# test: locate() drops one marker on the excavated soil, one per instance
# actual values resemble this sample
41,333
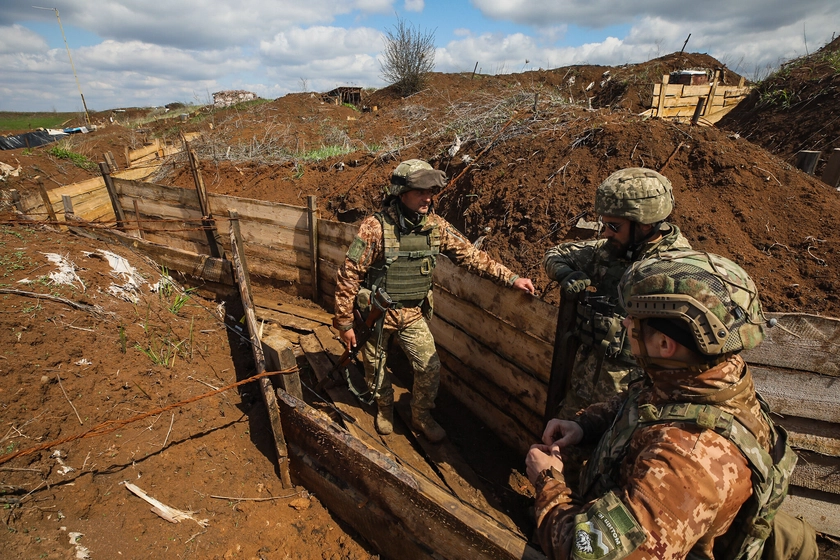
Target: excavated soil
525,153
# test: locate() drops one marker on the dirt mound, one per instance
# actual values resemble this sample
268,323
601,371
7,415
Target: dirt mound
796,108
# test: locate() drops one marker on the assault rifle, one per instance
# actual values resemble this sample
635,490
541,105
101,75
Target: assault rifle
364,328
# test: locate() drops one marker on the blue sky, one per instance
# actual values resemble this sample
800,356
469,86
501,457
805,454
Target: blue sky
138,53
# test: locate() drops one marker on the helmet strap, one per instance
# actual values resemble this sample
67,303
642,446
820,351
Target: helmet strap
636,244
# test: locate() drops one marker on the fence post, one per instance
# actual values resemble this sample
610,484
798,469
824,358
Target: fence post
312,217
112,194
207,221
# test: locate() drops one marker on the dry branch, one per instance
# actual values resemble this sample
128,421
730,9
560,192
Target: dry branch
169,513
92,309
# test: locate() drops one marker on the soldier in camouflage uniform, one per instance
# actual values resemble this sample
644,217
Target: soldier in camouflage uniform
689,463
633,205
395,250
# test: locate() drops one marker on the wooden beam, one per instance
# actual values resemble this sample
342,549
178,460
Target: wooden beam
241,269
312,222
279,356
207,221
661,104
806,160
112,194
47,204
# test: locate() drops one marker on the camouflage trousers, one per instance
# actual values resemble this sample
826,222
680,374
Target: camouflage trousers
585,389
419,346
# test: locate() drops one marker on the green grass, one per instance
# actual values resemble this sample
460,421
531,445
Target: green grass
62,151
20,122
325,152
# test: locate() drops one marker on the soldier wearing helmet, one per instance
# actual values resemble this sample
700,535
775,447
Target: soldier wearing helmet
632,205
688,462
395,250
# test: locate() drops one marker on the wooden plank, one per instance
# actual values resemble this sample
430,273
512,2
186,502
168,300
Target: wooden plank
338,233
831,173
165,210
162,238
506,428
328,251
452,530
459,477
821,510
286,320
283,215
811,435
318,315
358,421
531,354
312,225
515,307
799,393
172,196
198,266
525,388
139,153
377,525
279,356
817,472
274,236
501,401
800,341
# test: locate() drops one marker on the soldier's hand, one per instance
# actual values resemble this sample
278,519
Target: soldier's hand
539,458
562,433
575,283
349,339
524,284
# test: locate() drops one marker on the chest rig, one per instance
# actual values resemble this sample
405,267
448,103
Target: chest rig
405,270
598,318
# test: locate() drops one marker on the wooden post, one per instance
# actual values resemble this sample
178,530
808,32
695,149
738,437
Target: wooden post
698,110
240,267
112,163
831,173
46,198
137,219
806,160
67,202
112,194
474,69
16,200
565,348
127,158
662,87
279,355
207,221
312,218
712,92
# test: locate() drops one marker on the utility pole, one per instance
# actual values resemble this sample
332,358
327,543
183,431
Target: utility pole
87,117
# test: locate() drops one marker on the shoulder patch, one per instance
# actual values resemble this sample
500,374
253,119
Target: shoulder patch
607,530
357,249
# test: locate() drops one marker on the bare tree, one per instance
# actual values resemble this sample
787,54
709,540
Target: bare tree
409,56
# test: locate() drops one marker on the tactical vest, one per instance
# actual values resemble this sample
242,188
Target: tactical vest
770,471
405,271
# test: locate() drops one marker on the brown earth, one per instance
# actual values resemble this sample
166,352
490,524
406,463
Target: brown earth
538,144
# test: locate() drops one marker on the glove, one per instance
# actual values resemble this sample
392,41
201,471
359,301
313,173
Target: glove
575,283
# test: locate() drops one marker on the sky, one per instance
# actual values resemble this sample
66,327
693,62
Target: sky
139,53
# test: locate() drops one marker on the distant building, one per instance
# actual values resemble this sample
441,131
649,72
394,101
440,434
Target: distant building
232,97
341,95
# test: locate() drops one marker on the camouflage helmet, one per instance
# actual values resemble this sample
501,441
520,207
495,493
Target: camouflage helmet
713,295
637,194
415,174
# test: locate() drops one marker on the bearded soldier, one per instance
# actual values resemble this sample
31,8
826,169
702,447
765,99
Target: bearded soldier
688,463
632,205
395,251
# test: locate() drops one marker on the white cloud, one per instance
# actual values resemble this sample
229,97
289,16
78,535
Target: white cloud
18,39
414,5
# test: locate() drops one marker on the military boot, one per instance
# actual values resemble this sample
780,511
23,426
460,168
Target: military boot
422,421
384,419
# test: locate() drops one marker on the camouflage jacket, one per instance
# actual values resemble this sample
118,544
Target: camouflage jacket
677,486
603,269
452,244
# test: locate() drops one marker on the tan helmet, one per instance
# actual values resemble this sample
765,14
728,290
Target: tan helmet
708,294
415,174
637,194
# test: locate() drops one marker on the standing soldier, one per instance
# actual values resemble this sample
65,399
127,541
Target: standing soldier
688,463
395,251
632,205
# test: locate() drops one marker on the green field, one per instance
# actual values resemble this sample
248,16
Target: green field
24,122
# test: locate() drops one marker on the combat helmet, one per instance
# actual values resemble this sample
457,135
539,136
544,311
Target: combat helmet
637,194
706,295
415,174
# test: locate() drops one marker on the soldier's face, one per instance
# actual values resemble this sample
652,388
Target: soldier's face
417,200
617,232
